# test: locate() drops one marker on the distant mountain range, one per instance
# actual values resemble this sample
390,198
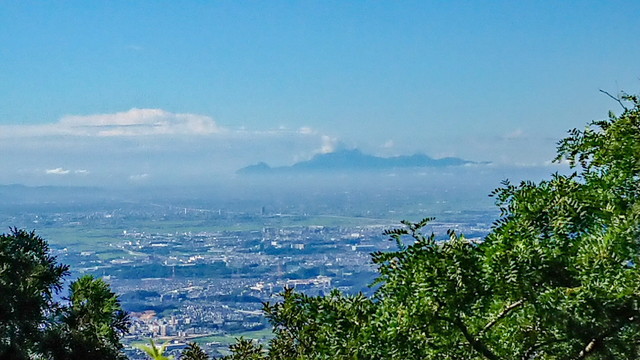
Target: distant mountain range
355,160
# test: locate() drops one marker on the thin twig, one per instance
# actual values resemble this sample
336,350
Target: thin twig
500,316
617,99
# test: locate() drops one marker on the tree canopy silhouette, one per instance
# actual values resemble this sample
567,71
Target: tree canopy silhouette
33,325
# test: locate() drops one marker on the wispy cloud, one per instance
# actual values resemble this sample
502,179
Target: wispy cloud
57,171
305,130
63,171
134,122
328,143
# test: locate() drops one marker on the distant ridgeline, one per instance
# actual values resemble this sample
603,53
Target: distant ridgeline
355,160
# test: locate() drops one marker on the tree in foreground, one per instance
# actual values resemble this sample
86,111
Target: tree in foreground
33,325
91,325
558,276
193,351
29,277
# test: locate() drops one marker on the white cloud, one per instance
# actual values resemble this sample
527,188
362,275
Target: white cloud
141,122
57,171
63,171
305,130
329,144
134,122
158,122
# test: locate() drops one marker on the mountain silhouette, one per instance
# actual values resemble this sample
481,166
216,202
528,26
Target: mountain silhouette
355,160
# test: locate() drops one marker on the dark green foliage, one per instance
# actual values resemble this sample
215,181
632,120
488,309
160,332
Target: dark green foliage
303,325
245,349
193,352
29,277
33,325
91,325
557,277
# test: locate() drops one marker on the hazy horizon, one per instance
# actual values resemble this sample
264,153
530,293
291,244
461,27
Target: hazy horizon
130,94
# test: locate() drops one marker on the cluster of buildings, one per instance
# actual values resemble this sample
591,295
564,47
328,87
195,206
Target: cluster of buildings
211,282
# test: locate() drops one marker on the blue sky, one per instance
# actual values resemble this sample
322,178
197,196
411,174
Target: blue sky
246,81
